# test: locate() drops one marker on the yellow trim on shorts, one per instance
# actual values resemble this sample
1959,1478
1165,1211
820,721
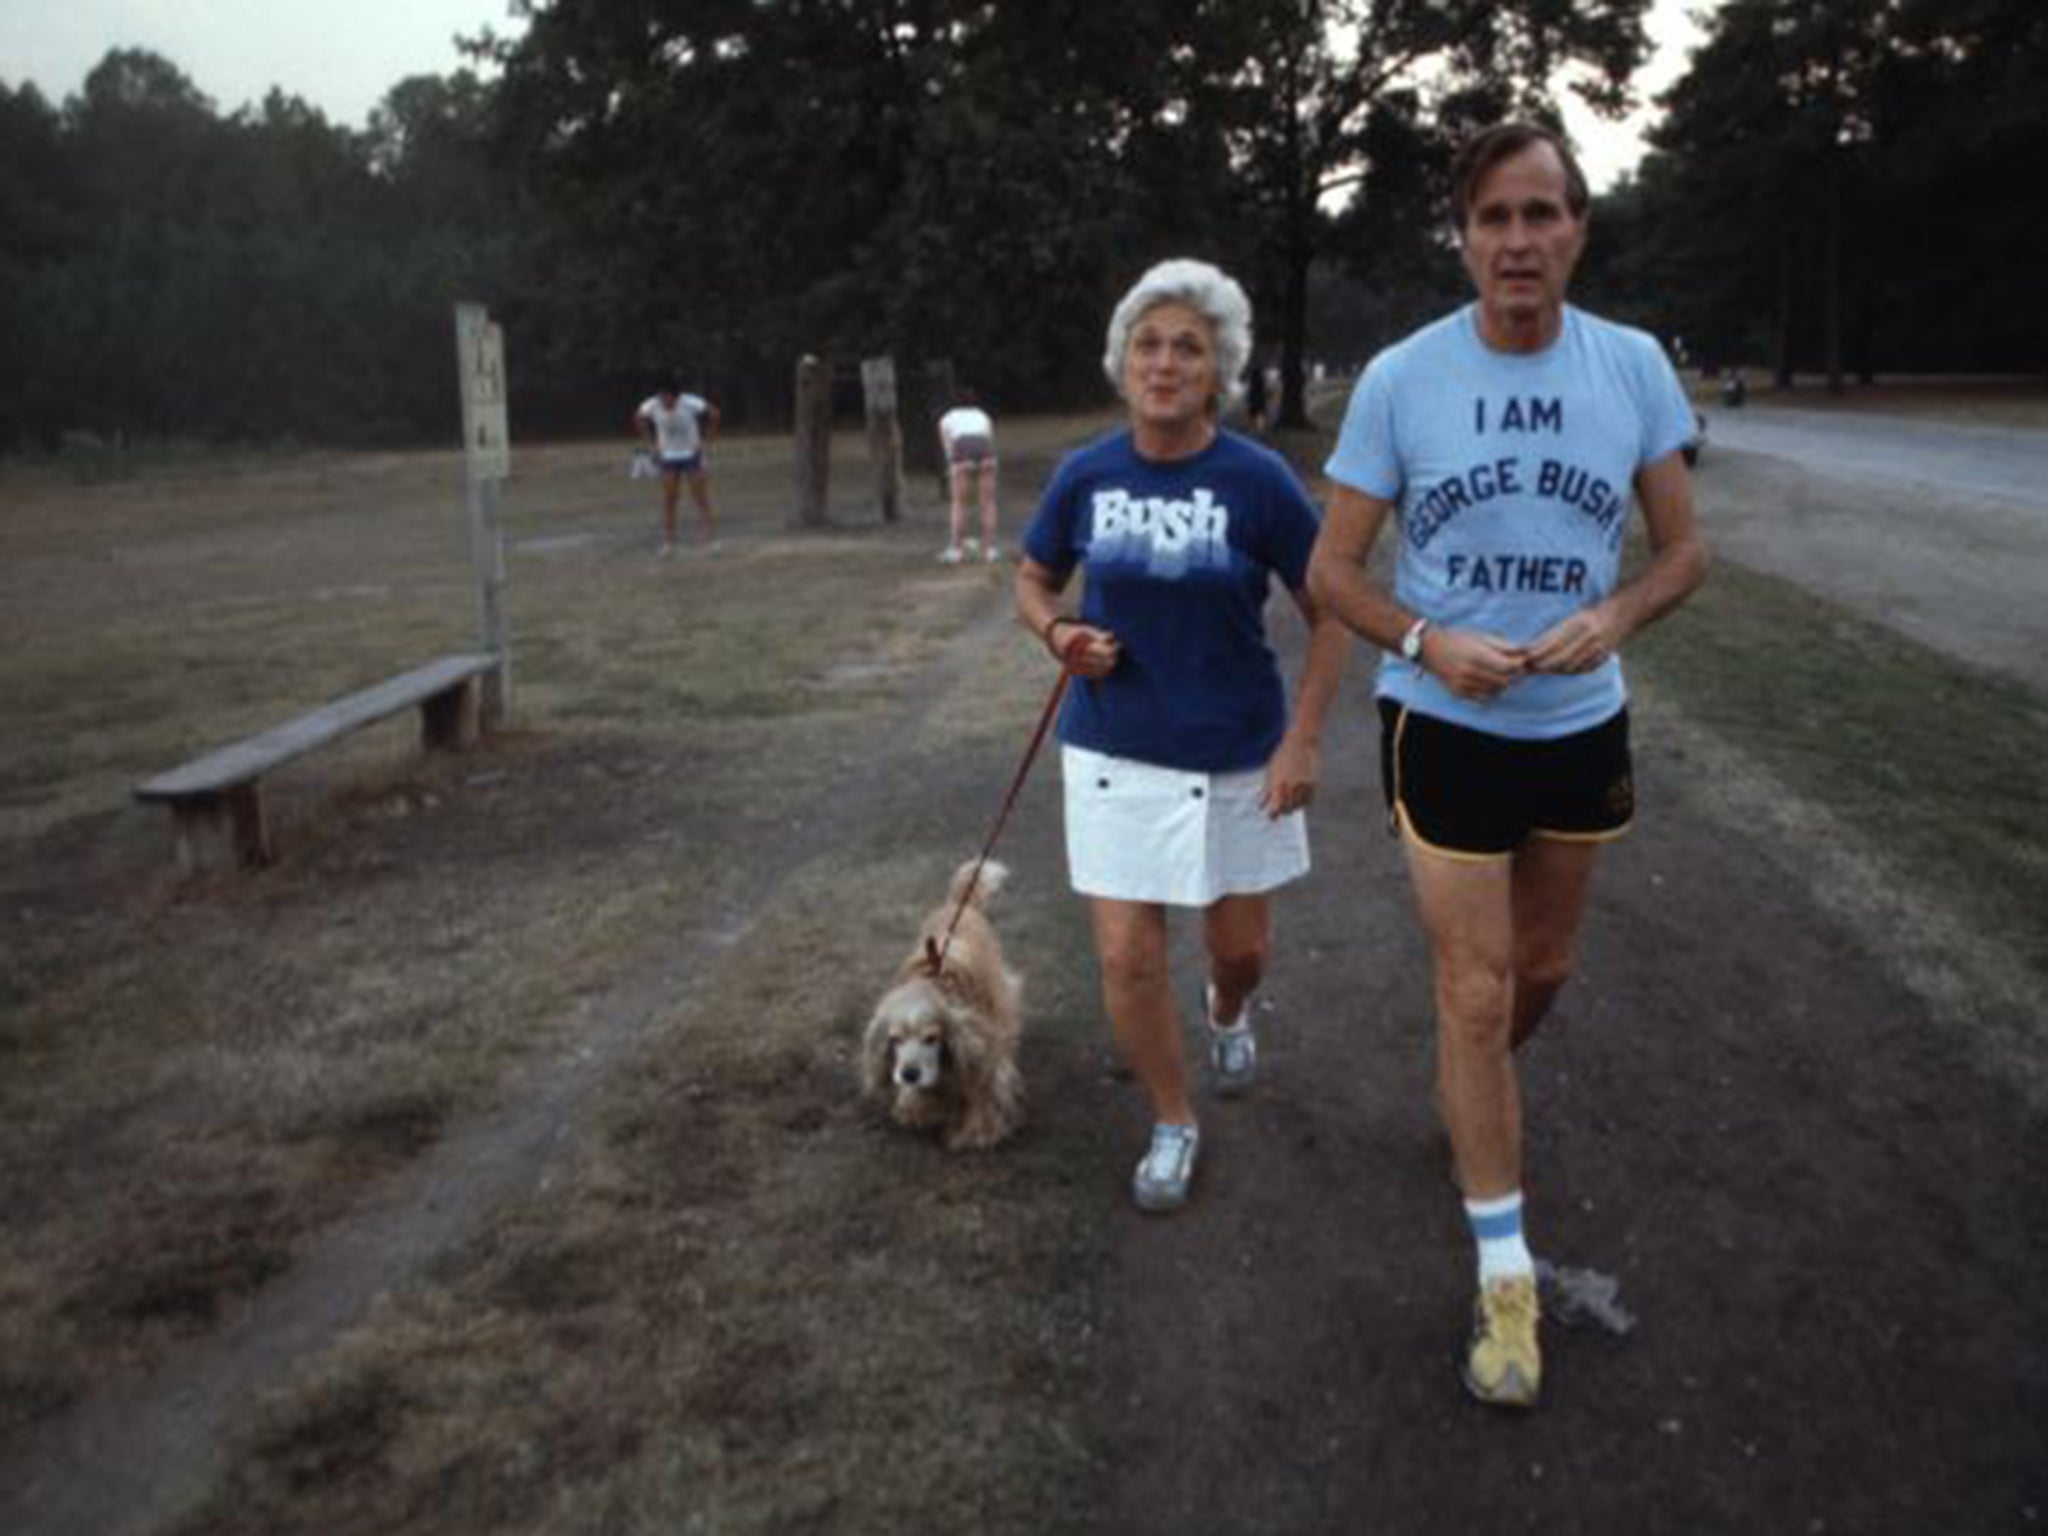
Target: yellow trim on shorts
1408,832
1461,855
1610,835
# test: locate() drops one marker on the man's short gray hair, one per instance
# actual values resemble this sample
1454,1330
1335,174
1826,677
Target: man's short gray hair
1211,293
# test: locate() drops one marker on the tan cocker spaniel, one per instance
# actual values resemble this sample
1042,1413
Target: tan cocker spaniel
942,1049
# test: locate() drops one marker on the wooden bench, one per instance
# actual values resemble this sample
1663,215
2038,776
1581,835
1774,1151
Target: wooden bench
216,801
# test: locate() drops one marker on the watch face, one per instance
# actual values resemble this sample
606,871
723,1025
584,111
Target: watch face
1411,643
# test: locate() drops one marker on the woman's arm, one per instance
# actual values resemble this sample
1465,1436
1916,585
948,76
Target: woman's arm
1036,590
1297,764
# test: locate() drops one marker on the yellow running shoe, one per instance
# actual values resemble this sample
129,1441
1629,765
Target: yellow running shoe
1504,1366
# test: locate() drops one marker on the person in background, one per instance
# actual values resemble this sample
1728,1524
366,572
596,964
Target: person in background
1186,773
968,438
676,426
1504,442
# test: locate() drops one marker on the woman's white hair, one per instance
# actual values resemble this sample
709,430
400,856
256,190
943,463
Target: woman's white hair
1209,291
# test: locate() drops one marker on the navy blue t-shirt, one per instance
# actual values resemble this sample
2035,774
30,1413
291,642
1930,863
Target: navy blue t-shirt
1176,558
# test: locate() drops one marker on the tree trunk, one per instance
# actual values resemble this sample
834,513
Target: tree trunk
1296,256
924,394
1294,335
1782,371
1832,273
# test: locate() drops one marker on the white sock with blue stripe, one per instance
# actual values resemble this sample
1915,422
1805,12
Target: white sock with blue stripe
1497,1228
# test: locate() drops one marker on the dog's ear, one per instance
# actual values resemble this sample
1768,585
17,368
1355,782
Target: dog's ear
968,1048
874,1057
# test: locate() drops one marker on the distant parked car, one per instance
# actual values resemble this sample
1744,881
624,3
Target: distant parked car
1692,445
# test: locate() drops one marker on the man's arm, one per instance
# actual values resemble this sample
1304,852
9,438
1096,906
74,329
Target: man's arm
1337,578
1677,564
1471,664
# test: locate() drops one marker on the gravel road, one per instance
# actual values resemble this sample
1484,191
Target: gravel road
1938,529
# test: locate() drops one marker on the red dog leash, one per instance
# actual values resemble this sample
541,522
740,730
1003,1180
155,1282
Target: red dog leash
935,949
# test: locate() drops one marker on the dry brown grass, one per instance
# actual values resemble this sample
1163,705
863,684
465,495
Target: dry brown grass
198,1077
749,1305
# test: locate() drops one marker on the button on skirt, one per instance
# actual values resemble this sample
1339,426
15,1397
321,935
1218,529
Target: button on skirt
1137,832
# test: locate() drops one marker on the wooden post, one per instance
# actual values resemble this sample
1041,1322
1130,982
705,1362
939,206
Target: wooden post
223,831
813,440
486,458
885,433
449,721
487,554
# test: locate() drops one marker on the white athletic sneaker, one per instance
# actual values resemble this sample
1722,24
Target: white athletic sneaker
1167,1168
950,555
1233,1048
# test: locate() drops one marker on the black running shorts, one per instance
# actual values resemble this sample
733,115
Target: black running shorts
1462,791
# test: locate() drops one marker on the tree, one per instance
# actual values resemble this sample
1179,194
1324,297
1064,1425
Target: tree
40,228
1370,96
1856,164
735,184
268,275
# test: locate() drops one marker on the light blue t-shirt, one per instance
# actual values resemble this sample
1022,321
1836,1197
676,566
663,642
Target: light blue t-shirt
1511,475
1176,558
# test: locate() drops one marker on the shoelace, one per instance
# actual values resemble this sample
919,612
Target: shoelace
1233,1048
1513,1305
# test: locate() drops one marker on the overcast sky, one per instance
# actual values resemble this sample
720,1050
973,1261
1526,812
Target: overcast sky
344,55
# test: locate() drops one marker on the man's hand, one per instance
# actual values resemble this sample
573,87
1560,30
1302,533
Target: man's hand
1470,664
1578,644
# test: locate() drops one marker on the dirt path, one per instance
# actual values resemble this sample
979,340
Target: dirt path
1823,1220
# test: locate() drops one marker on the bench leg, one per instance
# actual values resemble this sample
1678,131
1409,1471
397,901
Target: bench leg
450,720
223,831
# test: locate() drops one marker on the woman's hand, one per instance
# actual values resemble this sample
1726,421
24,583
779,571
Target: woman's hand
1083,649
1291,776
1471,664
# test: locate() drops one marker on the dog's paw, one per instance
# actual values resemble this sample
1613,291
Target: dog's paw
976,1135
918,1111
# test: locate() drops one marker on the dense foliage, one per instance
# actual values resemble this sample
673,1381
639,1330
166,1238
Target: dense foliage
718,186
1851,187
262,276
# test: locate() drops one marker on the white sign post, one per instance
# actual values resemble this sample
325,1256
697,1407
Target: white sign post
486,459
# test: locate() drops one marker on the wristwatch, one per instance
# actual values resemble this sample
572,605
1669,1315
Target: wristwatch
1411,643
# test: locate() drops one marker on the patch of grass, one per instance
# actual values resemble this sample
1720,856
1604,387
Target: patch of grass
219,1253
727,1315
1939,765
299,1034
340,1435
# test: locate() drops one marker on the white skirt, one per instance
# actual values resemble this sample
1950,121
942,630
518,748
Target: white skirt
1137,832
